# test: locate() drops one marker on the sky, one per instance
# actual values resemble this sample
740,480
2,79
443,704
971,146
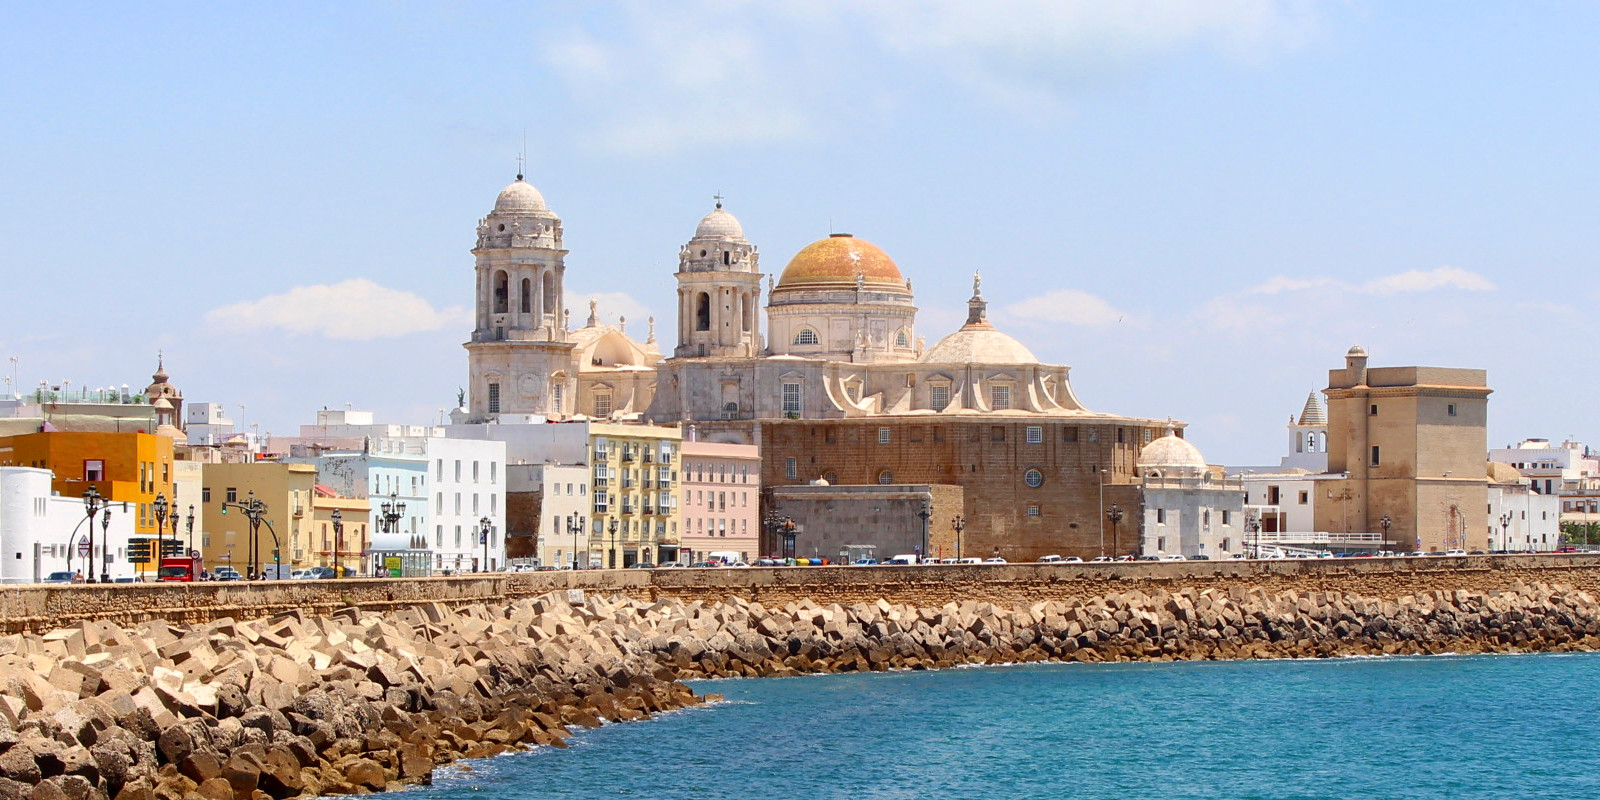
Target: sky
1199,207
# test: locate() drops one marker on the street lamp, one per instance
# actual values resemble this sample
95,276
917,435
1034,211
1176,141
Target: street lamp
611,553
1505,532
255,512
161,522
1115,515
190,522
575,525
959,523
390,512
92,503
484,526
338,541
1384,522
925,512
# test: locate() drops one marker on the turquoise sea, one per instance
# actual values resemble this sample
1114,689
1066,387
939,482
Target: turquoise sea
1428,727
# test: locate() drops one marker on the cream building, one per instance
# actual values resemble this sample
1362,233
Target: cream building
1190,509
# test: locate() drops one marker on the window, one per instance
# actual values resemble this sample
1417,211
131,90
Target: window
1034,478
791,468
1375,460
1304,497
901,339
1146,435
806,336
1373,410
205,494
94,470
938,397
474,472
1000,397
1069,433
883,436
1451,409
885,477
602,405
1035,434
997,433
556,398
458,470
791,397
233,495
492,470
1161,516
438,536
1094,434
494,398
1272,495
1227,519
1033,511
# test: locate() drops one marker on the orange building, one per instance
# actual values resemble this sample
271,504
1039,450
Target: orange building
127,468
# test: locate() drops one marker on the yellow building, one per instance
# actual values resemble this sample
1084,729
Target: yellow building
327,546
128,468
636,505
286,490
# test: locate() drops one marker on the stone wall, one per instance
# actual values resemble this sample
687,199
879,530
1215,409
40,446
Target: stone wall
42,608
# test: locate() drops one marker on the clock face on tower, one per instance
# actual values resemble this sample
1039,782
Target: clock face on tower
530,385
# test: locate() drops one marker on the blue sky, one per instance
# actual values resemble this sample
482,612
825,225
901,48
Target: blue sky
1198,206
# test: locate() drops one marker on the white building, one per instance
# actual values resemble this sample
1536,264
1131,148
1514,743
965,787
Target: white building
467,517
1521,519
1551,469
560,492
1188,509
41,532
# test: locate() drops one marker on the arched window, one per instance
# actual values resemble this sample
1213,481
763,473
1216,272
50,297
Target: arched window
727,258
547,297
901,339
885,477
501,292
702,312
527,296
806,336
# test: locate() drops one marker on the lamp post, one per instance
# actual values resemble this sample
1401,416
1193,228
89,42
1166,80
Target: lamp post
390,512
105,544
611,553
959,523
575,525
161,522
1384,523
1115,515
1102,525
338,541
255,512
1252,526
1505,532
92,503
786,529
484,526
925,513
190,522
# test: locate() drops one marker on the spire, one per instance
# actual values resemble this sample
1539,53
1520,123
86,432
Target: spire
161,368
1313,414
622,324
977,307
718,197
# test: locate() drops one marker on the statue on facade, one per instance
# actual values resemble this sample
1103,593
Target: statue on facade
461,397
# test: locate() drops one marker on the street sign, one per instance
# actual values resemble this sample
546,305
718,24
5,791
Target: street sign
83,547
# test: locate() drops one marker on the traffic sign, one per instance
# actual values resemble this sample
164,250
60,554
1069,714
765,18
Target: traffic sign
83,546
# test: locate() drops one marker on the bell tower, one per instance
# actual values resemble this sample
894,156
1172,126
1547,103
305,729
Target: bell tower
719,291
520,356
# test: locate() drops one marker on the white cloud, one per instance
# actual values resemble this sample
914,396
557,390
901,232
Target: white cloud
356,309
666,77
1418,281
1071,307
1415,280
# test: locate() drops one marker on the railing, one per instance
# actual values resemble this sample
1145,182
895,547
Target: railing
1312,537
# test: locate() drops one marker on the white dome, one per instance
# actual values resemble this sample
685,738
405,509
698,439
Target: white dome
979,344
1170,452
719,224
520,196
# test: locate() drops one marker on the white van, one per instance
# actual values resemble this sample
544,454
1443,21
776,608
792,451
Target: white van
903,560
1050,559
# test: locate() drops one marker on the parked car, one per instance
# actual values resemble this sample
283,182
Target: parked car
995,560
949,561
1201,557
1072,560
903,560
929,560
1146,558
1174,557
643,565
301,575
1101,560
1455,551
1050,559
58,577
970,561
226,574
865,562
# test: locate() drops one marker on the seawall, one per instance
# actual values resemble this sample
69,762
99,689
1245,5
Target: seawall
43,608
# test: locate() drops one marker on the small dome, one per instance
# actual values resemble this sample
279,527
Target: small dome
719,224
1358,351
837,260
975,344
520,196
1169,452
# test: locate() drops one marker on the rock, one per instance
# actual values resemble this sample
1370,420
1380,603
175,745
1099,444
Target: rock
215,789
201,766
280,773
366,773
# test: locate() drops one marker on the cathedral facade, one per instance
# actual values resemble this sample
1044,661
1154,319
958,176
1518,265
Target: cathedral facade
841,388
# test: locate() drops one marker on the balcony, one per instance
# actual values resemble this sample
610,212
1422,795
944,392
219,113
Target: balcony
648,509
627,455
627,509
648,457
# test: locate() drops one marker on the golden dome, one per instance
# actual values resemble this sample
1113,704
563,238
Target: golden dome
837,260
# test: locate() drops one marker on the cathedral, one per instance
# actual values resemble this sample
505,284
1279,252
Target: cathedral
841,388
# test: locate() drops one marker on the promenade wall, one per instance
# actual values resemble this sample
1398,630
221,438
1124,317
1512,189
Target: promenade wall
45,607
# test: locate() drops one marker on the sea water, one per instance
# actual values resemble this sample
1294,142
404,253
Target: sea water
1499,727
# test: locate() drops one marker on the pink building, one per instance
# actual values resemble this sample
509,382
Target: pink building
721,485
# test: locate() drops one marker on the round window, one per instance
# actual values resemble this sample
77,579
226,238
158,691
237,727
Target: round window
1034,478
502,226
